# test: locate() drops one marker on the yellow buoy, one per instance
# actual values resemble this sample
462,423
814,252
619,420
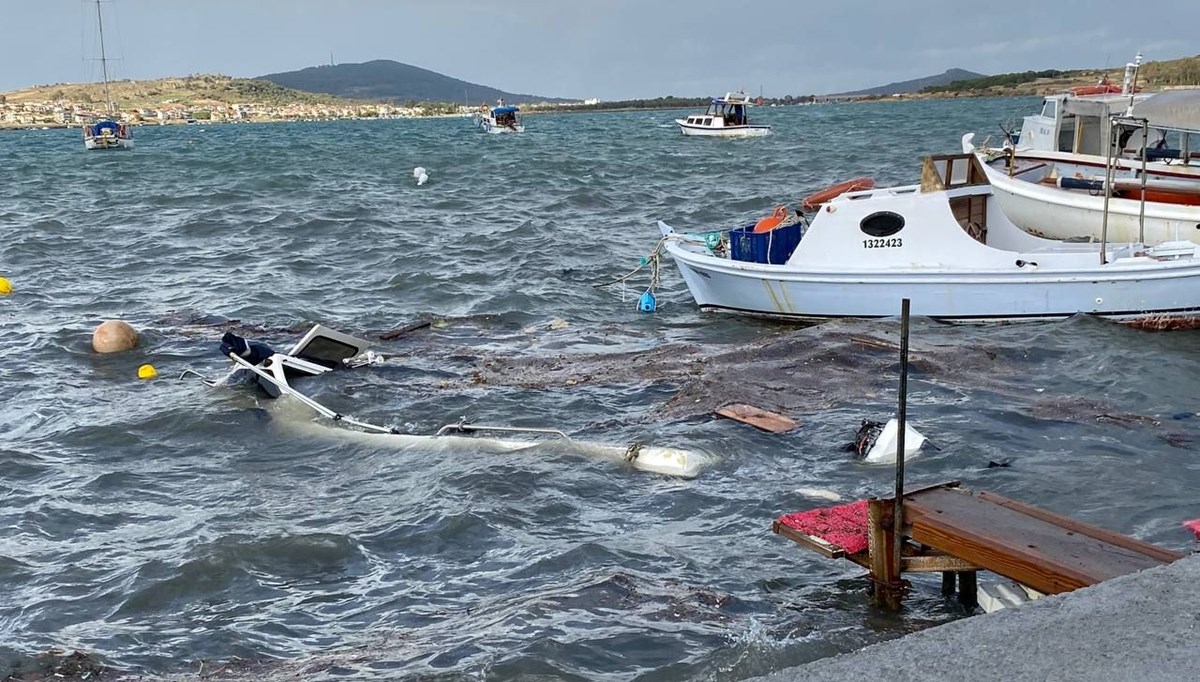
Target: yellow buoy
147,372
5,286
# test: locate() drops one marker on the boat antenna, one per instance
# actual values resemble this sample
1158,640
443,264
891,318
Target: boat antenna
108,105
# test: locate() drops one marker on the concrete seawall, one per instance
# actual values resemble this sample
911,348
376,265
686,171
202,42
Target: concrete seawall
1144,627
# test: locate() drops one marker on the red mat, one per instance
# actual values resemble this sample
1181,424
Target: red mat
844,525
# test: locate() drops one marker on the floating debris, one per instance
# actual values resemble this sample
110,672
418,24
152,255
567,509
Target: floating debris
757,417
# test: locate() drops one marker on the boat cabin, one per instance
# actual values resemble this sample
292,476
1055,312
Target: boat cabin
723,112
505,117
1083,125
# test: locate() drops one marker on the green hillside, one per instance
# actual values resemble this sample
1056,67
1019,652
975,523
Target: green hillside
386,80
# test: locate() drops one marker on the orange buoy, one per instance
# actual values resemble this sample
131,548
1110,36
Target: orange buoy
812,201
772,221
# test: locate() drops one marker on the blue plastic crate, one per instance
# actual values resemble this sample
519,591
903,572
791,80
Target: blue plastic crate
773,247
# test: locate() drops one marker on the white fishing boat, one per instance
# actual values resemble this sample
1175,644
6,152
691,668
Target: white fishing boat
106,132
500,119
323,350
946,245
725,117
1055,178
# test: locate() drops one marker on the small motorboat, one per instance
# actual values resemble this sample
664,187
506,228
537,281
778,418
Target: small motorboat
725,117
500,119
324,350
946,245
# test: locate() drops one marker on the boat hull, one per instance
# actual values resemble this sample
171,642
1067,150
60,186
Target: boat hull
107,142
726,131
1127,290
962,298
1055,213
494,129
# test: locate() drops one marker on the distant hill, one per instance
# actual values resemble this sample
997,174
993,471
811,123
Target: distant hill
1182,72
384,79
903,87
196,90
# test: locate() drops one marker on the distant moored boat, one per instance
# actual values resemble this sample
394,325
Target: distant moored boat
106,133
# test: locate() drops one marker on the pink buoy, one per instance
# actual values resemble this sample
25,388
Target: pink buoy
1194,526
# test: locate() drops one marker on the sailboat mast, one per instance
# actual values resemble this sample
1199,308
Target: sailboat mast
108,106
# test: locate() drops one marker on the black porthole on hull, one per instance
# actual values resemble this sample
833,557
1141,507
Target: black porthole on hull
882,224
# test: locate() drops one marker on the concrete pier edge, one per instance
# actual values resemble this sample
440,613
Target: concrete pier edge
1144,626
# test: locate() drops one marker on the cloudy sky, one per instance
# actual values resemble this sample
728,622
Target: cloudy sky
611,49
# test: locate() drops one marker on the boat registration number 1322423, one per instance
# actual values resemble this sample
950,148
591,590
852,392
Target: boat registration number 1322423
881,243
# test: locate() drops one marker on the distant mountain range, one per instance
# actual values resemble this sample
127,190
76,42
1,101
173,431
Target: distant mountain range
915,85
387,80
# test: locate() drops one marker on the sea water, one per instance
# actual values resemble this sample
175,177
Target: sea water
163,525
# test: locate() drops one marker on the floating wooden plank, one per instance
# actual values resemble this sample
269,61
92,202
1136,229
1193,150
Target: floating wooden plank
756,417
872,342
1035,547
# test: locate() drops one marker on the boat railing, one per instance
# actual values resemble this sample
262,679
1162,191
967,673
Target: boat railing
1110,171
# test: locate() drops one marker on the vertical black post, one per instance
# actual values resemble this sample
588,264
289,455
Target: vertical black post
901,414
968,590
948,582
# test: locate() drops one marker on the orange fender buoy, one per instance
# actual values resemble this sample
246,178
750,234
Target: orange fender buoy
772,221
812,201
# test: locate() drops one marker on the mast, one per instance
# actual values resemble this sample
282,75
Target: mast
108,105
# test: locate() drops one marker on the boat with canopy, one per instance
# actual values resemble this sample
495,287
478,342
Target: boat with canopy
725,117
500,119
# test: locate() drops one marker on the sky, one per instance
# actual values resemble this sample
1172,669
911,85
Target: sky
609,49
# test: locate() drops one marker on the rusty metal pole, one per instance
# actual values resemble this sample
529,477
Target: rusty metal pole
901,418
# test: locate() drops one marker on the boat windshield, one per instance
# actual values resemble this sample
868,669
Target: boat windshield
731,114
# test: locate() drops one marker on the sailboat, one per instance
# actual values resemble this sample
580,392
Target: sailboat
106,133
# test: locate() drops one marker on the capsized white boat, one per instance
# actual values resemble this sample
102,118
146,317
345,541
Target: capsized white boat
322,350
725,117
946,245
